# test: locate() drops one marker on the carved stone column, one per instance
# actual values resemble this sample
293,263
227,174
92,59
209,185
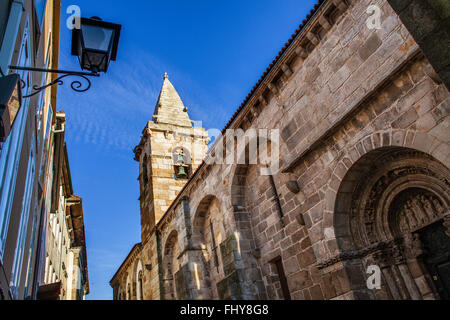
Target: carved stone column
383,260
408,280
398,262
414,252
383,293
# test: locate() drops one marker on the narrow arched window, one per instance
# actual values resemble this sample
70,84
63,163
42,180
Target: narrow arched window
144,171
141,291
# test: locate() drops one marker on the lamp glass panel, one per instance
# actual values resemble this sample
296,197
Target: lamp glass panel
97,38
94,59
14,104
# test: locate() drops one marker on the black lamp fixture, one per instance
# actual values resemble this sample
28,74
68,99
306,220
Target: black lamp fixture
95,44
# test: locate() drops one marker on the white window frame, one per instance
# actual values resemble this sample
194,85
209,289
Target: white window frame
23,225
11,149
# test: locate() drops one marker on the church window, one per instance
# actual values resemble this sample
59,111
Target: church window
141,290
282,277
144,172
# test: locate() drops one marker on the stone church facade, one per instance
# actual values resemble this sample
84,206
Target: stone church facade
363,179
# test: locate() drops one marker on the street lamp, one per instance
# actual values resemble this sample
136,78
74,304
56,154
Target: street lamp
95,44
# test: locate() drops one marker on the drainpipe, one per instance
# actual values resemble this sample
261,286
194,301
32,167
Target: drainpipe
187,220
276,198
10,37
160,268
39,248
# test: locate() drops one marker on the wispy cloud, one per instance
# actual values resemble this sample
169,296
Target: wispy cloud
112,114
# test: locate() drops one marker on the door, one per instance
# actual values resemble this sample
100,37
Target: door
437,258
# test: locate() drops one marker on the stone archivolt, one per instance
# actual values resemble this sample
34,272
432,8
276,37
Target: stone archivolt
418,211
402,193
416,208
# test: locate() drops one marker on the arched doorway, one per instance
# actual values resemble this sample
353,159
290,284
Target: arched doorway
255,207
171,265
140,286
209,232
437,249
389,212
138,276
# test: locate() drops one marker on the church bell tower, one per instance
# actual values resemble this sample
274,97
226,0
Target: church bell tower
170,150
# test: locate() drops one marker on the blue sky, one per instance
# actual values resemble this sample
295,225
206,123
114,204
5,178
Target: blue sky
213,51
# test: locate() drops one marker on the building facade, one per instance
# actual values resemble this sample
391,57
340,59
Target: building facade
29,37
362,183
66,274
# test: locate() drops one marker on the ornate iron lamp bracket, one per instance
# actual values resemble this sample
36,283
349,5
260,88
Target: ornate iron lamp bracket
76,85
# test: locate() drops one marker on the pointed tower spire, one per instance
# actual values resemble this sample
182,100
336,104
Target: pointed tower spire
170,151
169,107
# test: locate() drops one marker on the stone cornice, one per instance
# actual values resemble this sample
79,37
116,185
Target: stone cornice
164,127
353,254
